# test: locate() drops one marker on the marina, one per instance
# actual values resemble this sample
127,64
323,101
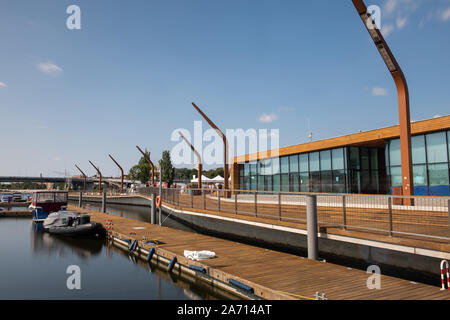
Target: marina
255,154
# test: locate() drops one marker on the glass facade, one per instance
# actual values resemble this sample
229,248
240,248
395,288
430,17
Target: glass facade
430,158
340,170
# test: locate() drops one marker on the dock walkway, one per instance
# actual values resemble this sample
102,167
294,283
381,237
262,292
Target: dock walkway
272,274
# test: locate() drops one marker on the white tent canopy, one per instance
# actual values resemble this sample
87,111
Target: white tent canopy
204,179
217,179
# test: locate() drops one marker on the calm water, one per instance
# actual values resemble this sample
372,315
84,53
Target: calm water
34,265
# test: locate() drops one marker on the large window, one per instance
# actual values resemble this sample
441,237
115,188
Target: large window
396,176
284,164
325,160
304,162
430,158
394,153
438,178
437,147
294,182
276,183
339,181
418,150
304,182
326,181
284,182
314,164
319,171
354,158
337,157
293,164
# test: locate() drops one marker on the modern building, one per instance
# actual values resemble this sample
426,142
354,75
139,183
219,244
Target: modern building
365,163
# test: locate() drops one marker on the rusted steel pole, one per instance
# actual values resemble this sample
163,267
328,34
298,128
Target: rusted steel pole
225,145
85,178
151,164
121,176
99,173
403,96
199,160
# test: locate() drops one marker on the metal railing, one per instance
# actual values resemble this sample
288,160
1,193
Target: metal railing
412,217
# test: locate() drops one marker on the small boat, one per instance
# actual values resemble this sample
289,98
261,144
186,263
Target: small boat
74,224
46,202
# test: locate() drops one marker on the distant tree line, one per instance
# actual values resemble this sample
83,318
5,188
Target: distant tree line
187,174
141,171
23,186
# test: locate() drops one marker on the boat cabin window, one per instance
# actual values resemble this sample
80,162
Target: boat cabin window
51,197
60,197
45,197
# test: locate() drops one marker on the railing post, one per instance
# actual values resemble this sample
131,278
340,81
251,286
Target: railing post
390,215
153,209
344,213
235,202
218,199
279,206
448,209
204,200
104,202
311,222
256,204
80,200
192,198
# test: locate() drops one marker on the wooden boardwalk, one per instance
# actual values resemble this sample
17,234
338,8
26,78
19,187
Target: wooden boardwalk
273,275
363,223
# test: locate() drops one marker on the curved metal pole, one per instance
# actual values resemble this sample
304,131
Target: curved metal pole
403,96
85,177
225,145
99,173
199,160
151,164
121,177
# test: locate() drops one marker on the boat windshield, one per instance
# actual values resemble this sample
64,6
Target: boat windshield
61,197
51,197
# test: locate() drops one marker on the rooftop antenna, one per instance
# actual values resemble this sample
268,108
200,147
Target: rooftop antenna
310,135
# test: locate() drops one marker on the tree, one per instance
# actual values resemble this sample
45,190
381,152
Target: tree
141,171
214,173
185,173
167,169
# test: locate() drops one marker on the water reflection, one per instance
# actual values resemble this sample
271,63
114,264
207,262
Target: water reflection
47,244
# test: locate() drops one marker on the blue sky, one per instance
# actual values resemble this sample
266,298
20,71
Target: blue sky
128,76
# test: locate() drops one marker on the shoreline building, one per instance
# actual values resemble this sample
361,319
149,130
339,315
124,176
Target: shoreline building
365,163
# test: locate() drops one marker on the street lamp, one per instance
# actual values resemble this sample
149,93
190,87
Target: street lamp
199,160
151,164
99,173
402,92
225,145
121,177
85,177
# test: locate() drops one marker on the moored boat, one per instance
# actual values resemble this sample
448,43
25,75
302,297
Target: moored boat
74,224
46,202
